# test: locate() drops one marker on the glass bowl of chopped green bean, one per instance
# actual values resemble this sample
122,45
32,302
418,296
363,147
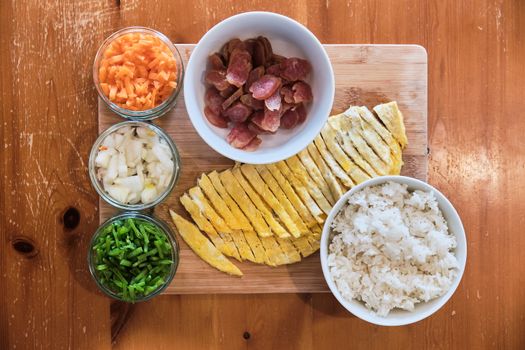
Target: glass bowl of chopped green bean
133,257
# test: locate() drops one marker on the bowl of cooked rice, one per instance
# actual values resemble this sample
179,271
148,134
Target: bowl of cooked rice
393,250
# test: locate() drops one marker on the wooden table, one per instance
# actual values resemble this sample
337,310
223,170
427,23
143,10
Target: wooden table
48,209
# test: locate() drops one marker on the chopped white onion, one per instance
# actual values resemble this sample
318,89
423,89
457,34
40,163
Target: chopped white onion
149,194
103,156
135,165
119,193
133,183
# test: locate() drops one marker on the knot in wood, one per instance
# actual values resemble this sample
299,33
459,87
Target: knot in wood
71,218
24,247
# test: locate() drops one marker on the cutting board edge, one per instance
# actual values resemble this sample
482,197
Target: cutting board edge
204,290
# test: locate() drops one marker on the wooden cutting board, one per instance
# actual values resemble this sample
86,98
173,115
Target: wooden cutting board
364,75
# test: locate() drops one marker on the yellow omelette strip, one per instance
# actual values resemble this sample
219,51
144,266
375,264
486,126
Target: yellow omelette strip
371,136
227,248
300,173
392,117
315,243
301,191
332,163
289,250
263,208
274,252
228,236
340,127
291,195
236,211
256,246
350,125
202,247
316,175
206,185
205,207
233,236
395,148
250,210
242,246
315,237
355,172
303,246
217,202
286,201
251,237
263,190
336,189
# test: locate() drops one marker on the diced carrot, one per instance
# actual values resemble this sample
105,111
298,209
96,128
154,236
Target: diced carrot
143,71
129,87
154,62
112,93
116,59
105,88
164,76
102,74
122,94
138,71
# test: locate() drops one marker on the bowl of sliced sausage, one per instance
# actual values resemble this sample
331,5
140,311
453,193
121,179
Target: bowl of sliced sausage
259,87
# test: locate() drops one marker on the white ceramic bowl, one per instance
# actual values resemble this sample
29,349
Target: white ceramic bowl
288,38
422,310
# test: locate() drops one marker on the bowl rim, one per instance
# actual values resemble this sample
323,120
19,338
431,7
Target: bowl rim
164,106
443,201
153,220
92,168
248,157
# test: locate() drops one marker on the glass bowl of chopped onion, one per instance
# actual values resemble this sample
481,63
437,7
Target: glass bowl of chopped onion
133,257
138,73
134,165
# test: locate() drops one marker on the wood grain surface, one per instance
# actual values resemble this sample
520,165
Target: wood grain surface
49,120
364,75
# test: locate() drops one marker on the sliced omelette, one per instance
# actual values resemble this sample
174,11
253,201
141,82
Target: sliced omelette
349,124
284,200
260,205
339,172
394,146
236,191
370,135
339,128
225,246
301,190
335,187
249,233
244,223
273,214
218,203
300,172
202,246
263,190
316,175
391,116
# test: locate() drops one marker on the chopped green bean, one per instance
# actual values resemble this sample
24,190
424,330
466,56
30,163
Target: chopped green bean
126,264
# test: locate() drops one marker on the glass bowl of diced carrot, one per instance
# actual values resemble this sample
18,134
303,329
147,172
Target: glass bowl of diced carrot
138,73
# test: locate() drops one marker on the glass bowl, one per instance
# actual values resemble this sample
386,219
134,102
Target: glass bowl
97,184
148,114
150,219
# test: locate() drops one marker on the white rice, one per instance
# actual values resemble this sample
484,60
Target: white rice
391,248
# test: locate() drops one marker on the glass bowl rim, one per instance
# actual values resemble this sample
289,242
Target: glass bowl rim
151,219
97,185
148,114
